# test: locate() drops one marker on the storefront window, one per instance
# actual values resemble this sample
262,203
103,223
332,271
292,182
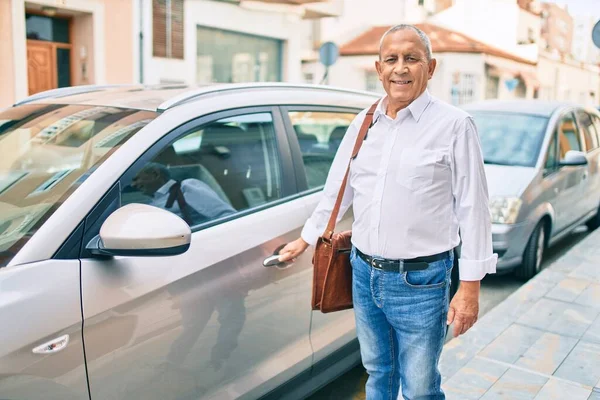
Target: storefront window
231,57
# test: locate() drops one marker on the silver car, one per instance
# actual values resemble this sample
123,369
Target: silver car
105,290
542,164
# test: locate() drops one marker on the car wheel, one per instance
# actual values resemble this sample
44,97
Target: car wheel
534,253
594,222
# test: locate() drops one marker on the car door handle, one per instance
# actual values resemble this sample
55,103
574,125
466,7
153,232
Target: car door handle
53,346
273,260
585,175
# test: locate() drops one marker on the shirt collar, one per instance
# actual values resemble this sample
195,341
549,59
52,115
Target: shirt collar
164,189
416,108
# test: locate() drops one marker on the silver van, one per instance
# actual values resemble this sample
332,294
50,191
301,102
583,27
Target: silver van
543,171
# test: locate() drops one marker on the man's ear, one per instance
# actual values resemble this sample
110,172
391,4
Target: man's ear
431,67
378,68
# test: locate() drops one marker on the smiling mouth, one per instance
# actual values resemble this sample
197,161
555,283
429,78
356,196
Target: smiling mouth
401,83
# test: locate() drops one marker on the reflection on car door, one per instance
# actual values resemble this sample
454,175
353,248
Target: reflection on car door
41,357
571,188
212,323
316,134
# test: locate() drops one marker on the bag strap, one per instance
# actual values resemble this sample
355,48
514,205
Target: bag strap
359,141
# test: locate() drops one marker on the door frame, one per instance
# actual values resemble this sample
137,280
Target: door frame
74,246
54,46
296,153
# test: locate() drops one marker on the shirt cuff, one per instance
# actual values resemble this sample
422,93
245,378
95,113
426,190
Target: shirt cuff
475,270
310,234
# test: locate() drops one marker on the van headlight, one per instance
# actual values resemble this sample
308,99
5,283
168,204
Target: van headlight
504,210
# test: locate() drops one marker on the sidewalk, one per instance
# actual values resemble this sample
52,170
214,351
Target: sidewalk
542,342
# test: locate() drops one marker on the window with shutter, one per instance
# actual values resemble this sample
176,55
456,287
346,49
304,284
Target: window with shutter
167,28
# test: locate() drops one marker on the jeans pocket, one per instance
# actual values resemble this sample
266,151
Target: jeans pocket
435,276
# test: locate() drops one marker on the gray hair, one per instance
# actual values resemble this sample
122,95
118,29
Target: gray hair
404,27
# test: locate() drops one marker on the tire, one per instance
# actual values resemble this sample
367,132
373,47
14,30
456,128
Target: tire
534,253
594,222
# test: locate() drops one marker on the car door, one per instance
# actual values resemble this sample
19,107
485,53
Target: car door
571,180
212,323
47,153
315,135
591,195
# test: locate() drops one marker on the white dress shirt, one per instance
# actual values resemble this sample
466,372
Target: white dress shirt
416,181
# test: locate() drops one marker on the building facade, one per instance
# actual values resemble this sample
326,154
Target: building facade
48,44
557,29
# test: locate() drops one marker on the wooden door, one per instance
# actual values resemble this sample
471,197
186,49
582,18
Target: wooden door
41,66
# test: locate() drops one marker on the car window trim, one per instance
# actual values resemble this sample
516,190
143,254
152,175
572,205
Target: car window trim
288,187
581,128
301,181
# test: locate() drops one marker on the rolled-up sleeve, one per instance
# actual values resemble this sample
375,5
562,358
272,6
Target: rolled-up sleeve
316,224
471,204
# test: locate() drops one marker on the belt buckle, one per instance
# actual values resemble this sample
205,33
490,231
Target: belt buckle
374,263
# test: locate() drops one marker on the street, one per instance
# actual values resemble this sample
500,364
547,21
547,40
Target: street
494,289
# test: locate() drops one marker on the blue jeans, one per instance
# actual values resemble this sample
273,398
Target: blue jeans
401,327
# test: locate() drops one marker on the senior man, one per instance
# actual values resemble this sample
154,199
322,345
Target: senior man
417,181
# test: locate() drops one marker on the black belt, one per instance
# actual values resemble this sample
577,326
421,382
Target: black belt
413,264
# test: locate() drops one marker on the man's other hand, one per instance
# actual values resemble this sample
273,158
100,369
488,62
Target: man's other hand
292,250
464,307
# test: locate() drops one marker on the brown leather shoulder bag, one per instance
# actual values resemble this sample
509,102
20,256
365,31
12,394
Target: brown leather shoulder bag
332,274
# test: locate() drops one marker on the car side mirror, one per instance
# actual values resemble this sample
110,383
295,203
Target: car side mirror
140,230
573,159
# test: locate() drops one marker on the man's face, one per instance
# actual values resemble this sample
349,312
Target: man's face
403,67
148,182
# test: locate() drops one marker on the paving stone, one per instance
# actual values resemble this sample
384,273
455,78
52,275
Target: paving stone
543,313
593,332
456,354
473,380
516,385
574,321
512,343
590,296
547,353
568,289
582,365
587,271
555,389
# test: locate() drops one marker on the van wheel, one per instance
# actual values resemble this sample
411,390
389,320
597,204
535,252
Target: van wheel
534,253
594,222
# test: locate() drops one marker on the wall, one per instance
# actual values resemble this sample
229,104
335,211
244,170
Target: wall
119,41
569,81
83,38
557,28
450,64
490,21
7,67
357,17
284,26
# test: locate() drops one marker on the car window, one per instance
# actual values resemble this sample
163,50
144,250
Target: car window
47,151
568,135
589,131
510,138
319,136
551,159
213,171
